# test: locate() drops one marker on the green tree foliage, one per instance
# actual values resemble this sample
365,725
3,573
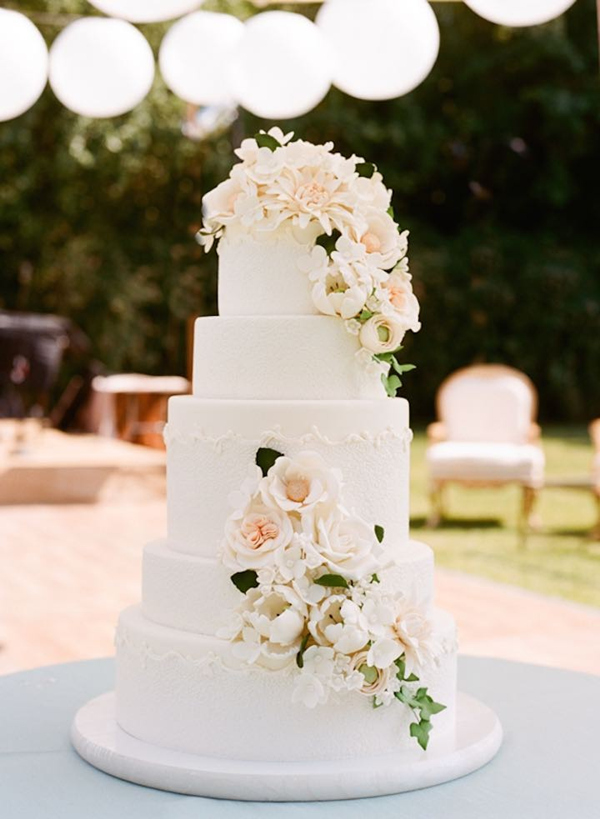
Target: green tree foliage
494,164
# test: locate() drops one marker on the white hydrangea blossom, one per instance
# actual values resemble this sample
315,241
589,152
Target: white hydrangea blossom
363,275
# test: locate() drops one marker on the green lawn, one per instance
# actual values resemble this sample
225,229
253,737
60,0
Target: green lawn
480,535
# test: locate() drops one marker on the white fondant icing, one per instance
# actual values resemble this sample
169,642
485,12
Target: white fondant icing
185,691
373,455
279,357
196,593
261,277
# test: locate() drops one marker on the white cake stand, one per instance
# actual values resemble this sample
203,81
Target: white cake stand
99,740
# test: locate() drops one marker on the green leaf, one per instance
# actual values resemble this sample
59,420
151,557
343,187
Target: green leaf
244,581
430,709
267,141
412,678
265,458
390,211
401,368
365,315
328,241
332,581
366,169
375,578
379,532
420,731
392,384
300,654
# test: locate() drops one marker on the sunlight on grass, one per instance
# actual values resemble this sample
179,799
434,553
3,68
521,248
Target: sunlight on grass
480,534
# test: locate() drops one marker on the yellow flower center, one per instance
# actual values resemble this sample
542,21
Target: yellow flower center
297,489
371,241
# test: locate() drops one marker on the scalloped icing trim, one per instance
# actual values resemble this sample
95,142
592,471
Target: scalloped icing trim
314,435
211,663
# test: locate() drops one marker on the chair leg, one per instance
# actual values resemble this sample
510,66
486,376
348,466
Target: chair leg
595,533
529,520
437,505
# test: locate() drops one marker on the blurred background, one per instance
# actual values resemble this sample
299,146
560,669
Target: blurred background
494,164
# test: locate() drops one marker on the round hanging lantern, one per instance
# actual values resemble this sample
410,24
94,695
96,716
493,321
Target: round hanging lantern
382,48
519,12
23,64
146,11
283,66
195,56
101,67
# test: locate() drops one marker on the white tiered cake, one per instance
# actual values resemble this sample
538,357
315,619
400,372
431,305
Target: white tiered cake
287,645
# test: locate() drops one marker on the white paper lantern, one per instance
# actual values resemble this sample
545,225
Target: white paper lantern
23,64
519,12
383,48
283,66
195,56
146,11
101,67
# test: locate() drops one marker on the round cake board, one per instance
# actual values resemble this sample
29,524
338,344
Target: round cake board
99,740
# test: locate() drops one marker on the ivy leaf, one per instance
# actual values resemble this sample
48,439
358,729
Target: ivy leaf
379,533
365,315
300,654
366,169
390,211
328,241
332,581
375,578
401,368
420,731
267,141
265,458
392,384
244,581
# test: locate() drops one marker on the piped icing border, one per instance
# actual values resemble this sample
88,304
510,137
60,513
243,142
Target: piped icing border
314,435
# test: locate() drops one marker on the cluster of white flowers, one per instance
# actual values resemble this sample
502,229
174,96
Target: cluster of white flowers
360,272
313,600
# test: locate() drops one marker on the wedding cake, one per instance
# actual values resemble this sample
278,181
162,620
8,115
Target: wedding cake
287,619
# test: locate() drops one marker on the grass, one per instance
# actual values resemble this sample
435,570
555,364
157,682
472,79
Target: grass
480,535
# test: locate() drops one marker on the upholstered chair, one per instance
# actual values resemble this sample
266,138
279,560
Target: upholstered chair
486,435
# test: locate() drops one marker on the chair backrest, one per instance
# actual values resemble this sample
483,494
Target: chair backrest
487,402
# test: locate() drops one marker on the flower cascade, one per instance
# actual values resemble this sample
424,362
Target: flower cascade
358,266
313,600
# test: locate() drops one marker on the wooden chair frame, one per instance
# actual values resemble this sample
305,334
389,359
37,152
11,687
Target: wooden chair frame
437,432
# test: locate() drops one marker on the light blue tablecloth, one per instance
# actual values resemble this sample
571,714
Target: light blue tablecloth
548,767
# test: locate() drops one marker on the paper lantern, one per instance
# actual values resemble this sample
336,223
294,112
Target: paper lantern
101,67
23,64
519,12
283,66
146,11
195,56
383,48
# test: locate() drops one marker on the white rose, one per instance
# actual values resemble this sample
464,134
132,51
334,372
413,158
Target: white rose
272,624
347,545
301,484
337,622
374,680
219,203
382,334
396,294
384,246
253,537
414,630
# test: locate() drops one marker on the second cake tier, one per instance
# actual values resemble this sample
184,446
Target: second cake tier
213,443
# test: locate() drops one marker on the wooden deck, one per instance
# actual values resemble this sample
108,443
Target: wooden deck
69,569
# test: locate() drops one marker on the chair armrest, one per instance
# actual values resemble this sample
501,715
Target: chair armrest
436,432
594,430
535,433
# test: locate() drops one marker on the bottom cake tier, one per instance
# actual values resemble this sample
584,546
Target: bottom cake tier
185,691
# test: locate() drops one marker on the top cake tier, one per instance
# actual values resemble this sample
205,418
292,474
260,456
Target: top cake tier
264,278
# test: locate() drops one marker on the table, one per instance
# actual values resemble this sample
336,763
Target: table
546,769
